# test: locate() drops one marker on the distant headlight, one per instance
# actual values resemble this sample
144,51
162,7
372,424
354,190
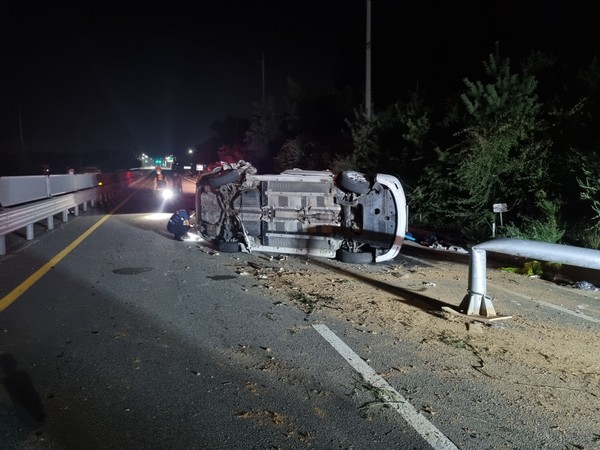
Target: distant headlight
167,194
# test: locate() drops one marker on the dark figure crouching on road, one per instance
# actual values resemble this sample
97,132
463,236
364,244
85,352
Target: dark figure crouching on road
180,223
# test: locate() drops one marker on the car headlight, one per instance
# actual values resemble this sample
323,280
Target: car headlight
167,194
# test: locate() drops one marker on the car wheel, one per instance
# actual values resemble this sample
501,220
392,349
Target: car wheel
355,182
355,257
228,247
222,178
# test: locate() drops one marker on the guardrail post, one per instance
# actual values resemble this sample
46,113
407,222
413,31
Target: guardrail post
65,215
29,232
50,222
84,206
76,210
3,245
476,302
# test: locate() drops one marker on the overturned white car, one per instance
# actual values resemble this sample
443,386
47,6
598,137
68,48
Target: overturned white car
351,216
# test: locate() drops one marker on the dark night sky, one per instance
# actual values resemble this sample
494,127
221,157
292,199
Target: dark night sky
152,79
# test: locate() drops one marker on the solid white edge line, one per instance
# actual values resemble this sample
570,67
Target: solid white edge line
388,394
566,311
549,305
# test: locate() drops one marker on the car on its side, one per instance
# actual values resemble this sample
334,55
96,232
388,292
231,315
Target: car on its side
350,216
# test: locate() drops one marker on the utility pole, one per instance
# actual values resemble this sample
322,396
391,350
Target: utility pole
368,101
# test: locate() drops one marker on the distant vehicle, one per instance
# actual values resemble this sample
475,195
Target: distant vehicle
352,217
166,194
90,170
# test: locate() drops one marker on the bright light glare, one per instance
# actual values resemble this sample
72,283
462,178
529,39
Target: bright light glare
193,237
158,216
167,194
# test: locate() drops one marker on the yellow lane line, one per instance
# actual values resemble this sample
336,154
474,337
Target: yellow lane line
25,285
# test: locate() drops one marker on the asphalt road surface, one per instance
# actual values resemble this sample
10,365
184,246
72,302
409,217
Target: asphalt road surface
113,335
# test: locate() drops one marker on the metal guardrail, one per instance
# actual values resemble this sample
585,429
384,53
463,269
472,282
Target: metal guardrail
478,303
60,193
23,189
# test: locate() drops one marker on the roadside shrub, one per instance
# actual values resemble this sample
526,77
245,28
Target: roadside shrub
590,192
547,229
591,238
293,154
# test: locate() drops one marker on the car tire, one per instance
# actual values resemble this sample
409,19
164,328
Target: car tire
355,257
222,178
355,182
228,247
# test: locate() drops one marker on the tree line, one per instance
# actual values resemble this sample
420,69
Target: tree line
525,135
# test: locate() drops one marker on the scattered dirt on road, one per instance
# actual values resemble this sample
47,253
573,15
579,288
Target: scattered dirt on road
553,365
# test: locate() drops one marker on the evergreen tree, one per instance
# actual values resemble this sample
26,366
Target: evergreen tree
501,154
365,153
404,135
231,130
306,146
263,138
292,154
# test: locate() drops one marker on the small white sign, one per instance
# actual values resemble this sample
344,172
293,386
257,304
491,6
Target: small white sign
499,207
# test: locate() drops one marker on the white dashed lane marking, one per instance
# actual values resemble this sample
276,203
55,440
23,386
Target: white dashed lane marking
426,429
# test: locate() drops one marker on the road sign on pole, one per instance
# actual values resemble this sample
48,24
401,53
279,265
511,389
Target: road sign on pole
499,208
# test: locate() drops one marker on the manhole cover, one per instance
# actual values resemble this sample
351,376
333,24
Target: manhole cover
131,270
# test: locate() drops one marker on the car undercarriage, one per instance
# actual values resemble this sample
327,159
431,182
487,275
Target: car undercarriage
348,216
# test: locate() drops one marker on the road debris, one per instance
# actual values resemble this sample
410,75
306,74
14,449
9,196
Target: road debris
585,285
